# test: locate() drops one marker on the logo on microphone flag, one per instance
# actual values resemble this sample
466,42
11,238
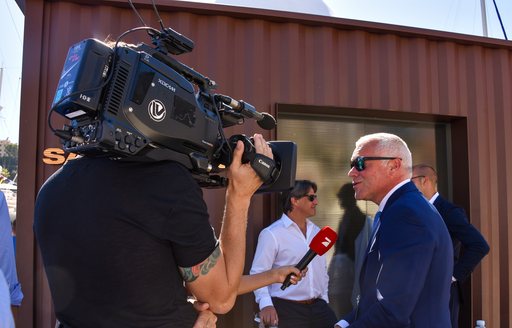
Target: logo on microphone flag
323,240
327,242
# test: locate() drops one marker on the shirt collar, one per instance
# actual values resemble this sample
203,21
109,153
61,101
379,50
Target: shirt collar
433,199
288,222
385,199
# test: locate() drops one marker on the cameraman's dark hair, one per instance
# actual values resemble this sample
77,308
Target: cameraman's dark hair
300,189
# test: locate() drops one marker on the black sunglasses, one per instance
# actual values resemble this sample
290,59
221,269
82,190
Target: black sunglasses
358,163
311,197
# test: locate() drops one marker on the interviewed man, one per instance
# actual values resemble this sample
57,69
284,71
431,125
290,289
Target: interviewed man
405,278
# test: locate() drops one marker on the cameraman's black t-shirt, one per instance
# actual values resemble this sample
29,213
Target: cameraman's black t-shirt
112,234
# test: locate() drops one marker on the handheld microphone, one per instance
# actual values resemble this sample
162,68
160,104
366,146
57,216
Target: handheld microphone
264,120
320,244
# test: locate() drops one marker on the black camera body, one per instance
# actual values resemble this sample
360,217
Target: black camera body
138,102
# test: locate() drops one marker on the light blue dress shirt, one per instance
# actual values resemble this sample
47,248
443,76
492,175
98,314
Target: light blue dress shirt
6,319
7,259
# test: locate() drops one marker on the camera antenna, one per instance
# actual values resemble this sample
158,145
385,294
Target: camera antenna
137,13
158,15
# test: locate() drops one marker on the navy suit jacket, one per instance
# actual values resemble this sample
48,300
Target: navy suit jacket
406,277
474,246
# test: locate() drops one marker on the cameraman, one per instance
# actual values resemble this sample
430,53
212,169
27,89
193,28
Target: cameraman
119,237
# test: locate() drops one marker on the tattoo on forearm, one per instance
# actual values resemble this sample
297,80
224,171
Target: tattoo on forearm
192,273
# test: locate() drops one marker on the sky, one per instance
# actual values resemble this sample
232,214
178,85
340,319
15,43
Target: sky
459,16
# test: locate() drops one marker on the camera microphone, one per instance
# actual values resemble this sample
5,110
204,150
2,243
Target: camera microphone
265,120
320,244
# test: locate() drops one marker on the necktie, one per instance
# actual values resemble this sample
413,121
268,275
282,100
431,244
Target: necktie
375,226
376,221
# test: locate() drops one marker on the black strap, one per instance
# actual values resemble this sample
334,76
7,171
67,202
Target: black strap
265,167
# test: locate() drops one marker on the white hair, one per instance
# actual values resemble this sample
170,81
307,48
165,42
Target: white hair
387,144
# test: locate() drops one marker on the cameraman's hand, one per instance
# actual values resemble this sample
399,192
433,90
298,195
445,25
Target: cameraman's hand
262,146
242,178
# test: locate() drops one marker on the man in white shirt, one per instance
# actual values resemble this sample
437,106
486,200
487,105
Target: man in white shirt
285,242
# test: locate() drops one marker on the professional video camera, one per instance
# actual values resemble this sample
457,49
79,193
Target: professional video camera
137,101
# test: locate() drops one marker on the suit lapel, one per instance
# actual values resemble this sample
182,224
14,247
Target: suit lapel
373,241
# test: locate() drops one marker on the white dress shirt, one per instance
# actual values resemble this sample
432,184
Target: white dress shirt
282,243
434,197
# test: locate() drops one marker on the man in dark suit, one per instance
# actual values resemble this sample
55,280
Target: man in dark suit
405,278
469,246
